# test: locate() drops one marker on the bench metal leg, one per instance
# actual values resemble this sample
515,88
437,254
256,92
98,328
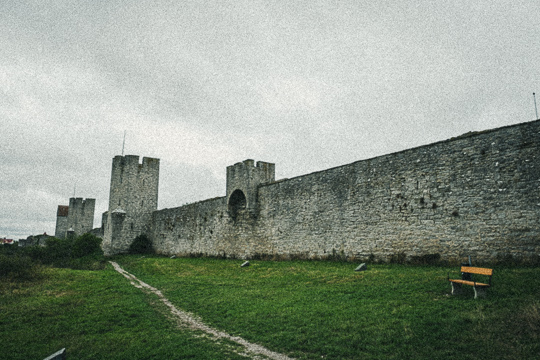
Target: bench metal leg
479,291
456,288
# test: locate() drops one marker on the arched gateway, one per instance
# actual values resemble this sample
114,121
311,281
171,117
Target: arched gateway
237,203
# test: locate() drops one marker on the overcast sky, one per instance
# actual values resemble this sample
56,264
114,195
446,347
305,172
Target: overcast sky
201,85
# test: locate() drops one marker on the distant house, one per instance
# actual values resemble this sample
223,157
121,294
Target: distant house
5,241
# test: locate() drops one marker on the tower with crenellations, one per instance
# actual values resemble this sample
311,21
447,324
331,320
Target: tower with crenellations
80,218
77,218
243,180
132,199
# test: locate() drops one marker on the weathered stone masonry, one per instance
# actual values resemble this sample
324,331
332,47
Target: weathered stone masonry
478,194
77,218
132,199
61,221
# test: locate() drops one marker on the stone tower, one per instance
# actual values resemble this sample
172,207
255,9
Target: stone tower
80,217
132,199
61,221
77,218
243,180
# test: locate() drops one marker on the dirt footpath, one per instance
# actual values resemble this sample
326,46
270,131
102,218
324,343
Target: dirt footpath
190,321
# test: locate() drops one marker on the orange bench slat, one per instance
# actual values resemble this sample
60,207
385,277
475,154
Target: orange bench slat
467,282
477,270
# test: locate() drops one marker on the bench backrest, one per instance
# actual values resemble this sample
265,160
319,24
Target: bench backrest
476,270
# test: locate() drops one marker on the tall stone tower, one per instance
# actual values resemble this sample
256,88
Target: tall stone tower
77,218
132,199
80,217
61,221
243,180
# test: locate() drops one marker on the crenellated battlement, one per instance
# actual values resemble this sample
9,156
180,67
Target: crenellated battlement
243,179
78,216
129,175
81,203
246,172
132,160
81,215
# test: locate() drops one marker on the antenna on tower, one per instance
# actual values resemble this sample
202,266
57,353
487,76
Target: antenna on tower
124,143
535,108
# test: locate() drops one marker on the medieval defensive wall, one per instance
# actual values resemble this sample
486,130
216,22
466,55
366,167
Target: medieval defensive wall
477,194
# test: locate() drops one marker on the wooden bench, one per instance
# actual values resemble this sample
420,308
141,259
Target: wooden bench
479,287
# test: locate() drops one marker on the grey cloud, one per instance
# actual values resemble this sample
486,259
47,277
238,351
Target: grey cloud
202,85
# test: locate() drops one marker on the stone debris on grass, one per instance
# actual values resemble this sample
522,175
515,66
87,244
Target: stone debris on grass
361,267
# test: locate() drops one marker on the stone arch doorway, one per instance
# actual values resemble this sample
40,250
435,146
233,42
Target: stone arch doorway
237,203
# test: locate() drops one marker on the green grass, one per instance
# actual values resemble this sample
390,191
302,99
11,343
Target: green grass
94,315
305,309
314,309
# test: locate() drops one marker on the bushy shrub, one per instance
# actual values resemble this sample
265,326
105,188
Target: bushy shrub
82,252
85,245
56,251
141,245
19,267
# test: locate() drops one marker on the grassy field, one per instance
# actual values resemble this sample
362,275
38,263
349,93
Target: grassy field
305,309
94,315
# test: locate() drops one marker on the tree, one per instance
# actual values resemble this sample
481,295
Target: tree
87,244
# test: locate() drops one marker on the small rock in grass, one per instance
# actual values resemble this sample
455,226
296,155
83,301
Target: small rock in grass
361,267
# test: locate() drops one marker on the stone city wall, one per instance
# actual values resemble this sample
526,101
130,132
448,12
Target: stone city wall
478,195
190,229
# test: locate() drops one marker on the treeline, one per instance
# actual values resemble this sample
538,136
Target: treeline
26,263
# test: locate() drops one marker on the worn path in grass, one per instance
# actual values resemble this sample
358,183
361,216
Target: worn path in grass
193,323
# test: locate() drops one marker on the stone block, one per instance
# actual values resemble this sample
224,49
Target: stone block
361,267
59,355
